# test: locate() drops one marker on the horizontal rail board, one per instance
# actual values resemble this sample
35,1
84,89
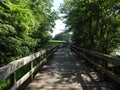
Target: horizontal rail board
26,76
8,69
107,72
108,58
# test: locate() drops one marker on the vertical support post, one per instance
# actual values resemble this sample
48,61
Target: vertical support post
46,53
13,81
105,64
31,73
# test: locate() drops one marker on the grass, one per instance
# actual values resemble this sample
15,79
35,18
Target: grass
57,41
52,43
5,84
20,72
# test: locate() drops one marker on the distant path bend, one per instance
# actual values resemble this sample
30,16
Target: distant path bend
66,71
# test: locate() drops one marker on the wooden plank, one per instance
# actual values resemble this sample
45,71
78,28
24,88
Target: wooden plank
21,81
31,67
13,80
107,72
26,76
108,58
53,48
8,69
50,54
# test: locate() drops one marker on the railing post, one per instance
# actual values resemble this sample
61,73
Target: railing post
13,81
46,54
31,73
105,64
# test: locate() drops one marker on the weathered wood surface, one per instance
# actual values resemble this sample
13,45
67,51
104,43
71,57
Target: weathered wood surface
104,70
25,77
8,69
105,57
66,71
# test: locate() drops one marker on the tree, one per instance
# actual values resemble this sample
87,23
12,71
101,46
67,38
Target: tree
95,23
24,25
63,36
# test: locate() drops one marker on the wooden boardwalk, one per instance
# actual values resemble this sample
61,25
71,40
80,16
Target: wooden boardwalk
66,71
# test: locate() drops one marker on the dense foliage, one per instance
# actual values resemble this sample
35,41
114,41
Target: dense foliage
24,26
66,36
95,23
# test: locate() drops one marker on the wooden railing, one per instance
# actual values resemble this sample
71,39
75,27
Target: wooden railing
99,61
10,69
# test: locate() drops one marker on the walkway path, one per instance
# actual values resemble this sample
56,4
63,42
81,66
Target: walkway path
66,71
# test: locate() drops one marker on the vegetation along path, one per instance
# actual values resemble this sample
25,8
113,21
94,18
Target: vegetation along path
66,71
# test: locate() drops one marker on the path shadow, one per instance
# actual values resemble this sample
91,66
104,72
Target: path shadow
65,71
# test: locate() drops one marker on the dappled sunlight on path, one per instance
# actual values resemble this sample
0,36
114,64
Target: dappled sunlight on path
65,71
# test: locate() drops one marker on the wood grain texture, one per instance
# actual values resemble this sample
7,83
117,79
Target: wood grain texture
105,57
8,69
65,71
104,70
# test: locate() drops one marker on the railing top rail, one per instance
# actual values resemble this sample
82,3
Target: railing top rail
8,69
108,58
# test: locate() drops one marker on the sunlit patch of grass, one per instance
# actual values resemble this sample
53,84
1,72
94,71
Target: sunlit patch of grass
57,41
52,43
